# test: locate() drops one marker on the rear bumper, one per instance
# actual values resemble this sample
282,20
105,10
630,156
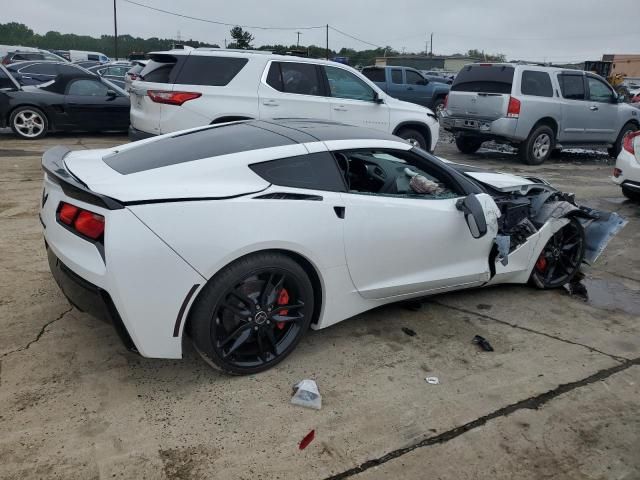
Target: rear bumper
629,170
88,298
501,128
135,134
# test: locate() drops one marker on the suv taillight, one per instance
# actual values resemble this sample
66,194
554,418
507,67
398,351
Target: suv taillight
82,221
172,98
513,110
446,101
627,143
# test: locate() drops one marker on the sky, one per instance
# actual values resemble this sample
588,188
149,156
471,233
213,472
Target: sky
538,30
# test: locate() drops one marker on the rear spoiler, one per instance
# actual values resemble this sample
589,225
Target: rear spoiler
54,167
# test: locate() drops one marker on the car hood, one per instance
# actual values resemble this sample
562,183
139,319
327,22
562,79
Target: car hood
406,106
502,182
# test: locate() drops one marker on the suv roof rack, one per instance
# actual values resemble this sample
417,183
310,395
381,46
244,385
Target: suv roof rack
213,49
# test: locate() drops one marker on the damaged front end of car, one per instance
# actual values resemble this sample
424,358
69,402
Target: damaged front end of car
532,215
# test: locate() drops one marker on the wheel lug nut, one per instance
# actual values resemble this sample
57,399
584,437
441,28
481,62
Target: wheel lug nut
250,319
255,328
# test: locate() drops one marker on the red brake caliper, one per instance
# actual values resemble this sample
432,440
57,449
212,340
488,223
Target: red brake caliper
541,263
283,299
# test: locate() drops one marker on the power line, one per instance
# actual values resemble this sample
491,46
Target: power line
257,27
354,38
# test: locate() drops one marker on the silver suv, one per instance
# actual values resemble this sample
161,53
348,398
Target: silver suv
536,109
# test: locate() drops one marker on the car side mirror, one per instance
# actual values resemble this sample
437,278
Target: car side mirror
423,82
474,215
111,93
376,98
619,98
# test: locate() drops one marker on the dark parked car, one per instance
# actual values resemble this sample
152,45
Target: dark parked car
20,56
77,101
37,72
409,85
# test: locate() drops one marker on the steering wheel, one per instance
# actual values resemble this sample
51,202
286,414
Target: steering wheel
376,172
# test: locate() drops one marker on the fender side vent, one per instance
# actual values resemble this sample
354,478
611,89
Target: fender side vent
288,196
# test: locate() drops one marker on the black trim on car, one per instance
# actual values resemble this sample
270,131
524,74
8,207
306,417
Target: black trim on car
183,307
53,165
88,298
288,196
189,199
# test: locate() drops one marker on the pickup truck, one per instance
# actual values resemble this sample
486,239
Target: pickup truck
410,85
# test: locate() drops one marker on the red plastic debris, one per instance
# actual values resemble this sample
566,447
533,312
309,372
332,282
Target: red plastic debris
308,438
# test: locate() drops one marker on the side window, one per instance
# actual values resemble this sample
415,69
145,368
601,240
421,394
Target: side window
300,78
536,83
92,57
392,173
344,84
87,88
274,77
207,70
41,69
315,171
599,91
414,78
374,74
396,76
572,86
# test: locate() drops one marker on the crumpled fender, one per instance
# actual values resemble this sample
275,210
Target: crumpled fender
600,226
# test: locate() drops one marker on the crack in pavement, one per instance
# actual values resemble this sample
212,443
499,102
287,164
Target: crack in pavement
531,403
531,330
40,334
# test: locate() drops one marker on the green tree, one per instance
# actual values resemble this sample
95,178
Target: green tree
242,39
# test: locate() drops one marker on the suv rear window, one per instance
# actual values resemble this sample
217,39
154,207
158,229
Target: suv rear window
536,83
572,86
162,69
484,78
374,74
213,71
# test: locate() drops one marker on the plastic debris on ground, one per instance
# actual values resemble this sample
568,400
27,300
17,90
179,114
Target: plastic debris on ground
409,332
483,343
308,438
306,394
432,380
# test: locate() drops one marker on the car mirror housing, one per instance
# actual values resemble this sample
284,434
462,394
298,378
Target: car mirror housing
111,93
473,215
376,98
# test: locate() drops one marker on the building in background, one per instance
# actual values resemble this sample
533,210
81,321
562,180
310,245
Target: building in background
627,65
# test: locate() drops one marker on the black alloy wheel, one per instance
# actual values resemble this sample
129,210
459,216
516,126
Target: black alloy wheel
258,310
561,257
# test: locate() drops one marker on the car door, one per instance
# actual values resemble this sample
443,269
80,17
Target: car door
292,90
602,120
575,109
354,101
90,106
395,83
418,89
404,243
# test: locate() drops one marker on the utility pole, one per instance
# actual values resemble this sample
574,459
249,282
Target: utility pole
327,49
426,46
298,43
431,46
115,27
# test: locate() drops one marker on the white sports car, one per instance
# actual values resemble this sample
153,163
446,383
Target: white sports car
243,235
627,170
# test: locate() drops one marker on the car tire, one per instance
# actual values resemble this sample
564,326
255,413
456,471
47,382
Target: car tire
29,122
560,258
468,144
537,148
633,195
230,304
414,137
617,147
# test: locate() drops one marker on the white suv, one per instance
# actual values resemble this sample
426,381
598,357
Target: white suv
181,89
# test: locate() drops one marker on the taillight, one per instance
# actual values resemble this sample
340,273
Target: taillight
627,142
82,221
172,98
446,101
513,110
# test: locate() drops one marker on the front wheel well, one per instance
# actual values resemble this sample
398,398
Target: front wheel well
306,265
421,128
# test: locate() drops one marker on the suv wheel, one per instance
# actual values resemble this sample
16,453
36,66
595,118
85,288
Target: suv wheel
538,147
617,147
468,144
414,137
631,194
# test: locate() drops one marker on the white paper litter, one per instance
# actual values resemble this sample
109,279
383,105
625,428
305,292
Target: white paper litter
306,394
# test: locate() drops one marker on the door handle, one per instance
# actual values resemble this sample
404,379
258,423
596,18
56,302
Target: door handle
593,108
270,103
340,108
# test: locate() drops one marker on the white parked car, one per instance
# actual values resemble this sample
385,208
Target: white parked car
627,170
243,235
188,88
83,55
